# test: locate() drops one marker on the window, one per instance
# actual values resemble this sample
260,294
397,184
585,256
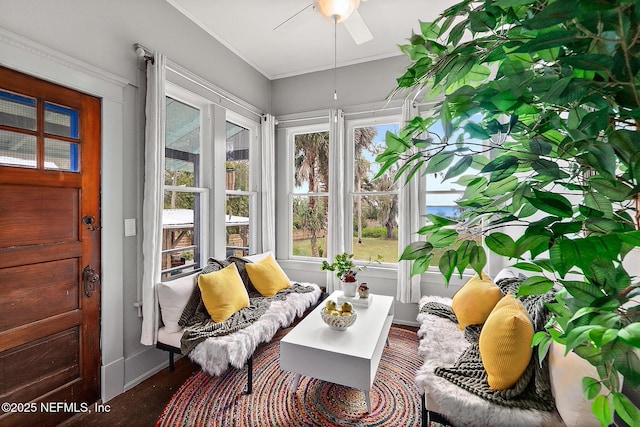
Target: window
310,193
19,141
183,191
374,207
240,200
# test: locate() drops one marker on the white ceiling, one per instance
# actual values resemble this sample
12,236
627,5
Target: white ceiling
306,42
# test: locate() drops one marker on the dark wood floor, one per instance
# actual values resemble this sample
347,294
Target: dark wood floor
142,405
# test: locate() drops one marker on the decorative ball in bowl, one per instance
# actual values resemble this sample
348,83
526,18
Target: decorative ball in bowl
338,317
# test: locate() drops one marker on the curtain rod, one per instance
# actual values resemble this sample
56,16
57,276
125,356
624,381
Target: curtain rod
147,55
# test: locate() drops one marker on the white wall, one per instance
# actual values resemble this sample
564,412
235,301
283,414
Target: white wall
360,84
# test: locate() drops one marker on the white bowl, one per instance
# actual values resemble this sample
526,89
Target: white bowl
339,323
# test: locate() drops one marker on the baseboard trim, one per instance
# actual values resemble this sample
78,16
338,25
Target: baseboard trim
112,379
144,365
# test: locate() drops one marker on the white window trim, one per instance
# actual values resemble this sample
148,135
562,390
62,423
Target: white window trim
180,94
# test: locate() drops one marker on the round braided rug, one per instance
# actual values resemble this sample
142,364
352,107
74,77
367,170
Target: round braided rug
221,401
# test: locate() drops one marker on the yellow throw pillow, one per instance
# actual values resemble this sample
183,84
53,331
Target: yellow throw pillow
223,292
505,343
475,300
267,276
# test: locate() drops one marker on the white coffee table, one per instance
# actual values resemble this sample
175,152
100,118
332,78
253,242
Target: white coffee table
349,357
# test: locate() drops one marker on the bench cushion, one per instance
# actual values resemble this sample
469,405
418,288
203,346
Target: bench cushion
172,298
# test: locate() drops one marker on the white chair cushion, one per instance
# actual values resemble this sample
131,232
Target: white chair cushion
173,297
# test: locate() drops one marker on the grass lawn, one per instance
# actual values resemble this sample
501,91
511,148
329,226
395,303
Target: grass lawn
370,248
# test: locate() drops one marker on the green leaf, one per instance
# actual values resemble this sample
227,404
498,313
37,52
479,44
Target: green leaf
631,334
501,244
596,62
583,291
527,266
441,221
552,203
501,187
611,187
501,163
590,387
555,13
416,250
534,285
464,255
601,409
599,202
578,335
630,237
625,409
443,237
543,341
447,264
460,167
628,364
548,40
420,265
395,143
439,162
477,258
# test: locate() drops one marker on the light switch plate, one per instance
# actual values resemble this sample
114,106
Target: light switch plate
129,227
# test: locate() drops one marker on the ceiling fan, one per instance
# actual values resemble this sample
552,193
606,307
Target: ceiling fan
344,11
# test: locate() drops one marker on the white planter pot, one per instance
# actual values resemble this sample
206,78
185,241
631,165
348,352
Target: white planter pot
349,288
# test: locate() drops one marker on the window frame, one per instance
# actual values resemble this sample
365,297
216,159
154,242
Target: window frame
203,188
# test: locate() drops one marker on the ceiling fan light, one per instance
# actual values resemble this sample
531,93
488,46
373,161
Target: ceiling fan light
338,9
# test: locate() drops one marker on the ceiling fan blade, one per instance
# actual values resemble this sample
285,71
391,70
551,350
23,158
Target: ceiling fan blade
357,28
293,16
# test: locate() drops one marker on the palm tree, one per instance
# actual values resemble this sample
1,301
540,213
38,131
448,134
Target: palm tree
311,158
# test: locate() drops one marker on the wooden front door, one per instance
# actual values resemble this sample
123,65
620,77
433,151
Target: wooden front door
49,251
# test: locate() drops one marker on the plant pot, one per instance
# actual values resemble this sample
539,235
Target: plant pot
349,288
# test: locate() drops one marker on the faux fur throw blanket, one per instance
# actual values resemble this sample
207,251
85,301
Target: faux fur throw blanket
533,390
198,326
215,354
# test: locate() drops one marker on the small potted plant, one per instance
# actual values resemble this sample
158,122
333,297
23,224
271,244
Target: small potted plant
346,270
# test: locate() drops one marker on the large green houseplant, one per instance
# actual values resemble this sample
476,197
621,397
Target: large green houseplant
553,90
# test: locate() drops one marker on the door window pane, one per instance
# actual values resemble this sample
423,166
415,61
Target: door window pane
61,121
18,149
17,111
61,155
